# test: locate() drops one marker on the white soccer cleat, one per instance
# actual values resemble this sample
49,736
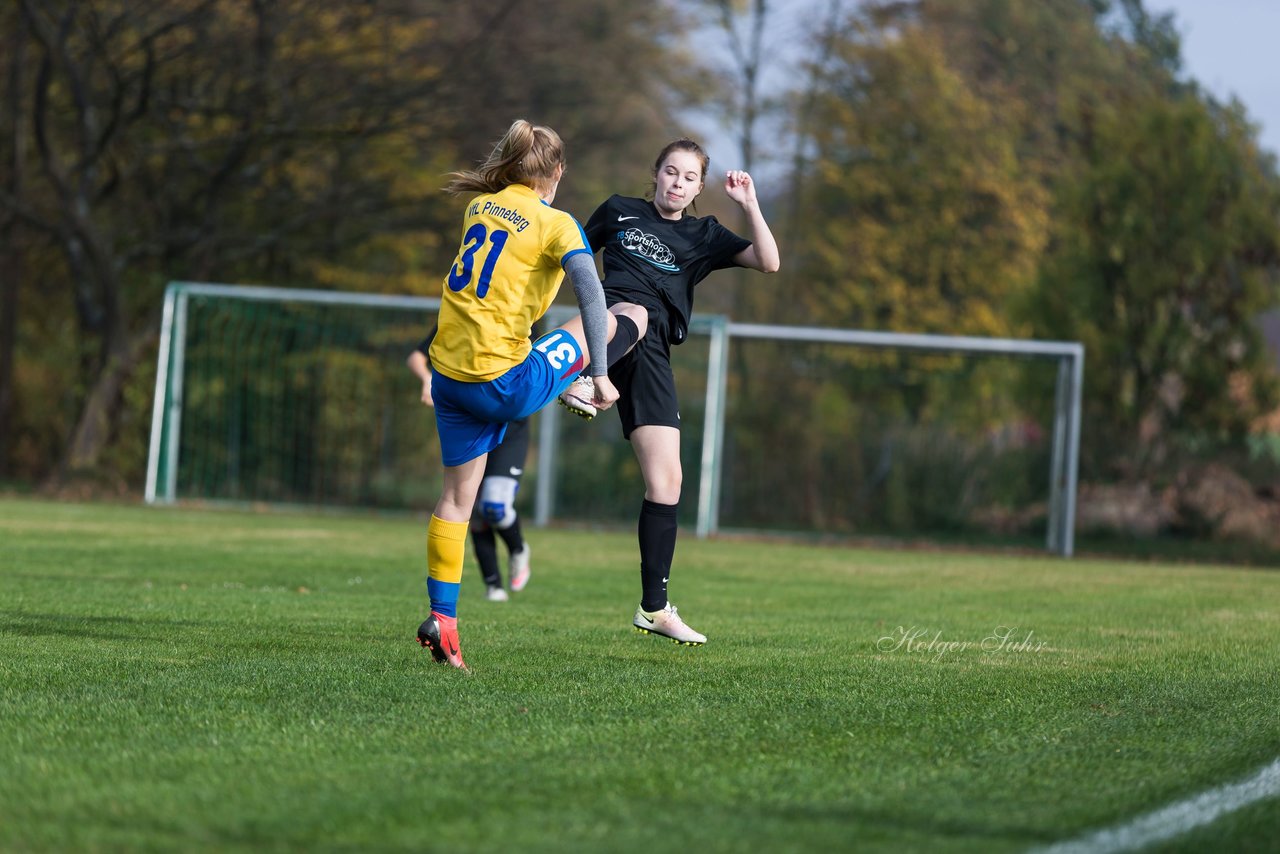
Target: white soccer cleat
579,398
518,568
668,624
496,594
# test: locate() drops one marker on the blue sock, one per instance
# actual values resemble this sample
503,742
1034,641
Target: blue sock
444,596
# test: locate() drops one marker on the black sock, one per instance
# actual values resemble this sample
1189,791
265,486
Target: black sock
486,546
512,537
623,340
657,549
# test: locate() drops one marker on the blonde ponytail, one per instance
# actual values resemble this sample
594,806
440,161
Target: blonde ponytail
527,154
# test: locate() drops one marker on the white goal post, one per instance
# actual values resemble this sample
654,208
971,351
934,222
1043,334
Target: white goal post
164,456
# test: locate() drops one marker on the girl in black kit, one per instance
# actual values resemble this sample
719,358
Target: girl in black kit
654,255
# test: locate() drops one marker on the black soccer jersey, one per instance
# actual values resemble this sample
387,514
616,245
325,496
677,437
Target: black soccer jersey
657,262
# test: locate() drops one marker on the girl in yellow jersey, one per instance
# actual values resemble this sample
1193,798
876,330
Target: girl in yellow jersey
515,251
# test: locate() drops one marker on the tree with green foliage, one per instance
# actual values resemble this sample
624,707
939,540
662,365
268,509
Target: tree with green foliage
192,139
919,215
1164,254
1005,168
292,143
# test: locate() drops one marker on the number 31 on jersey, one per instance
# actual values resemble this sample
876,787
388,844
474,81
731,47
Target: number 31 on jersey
476,236
559,348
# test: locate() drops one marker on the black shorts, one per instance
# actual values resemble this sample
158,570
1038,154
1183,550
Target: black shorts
645,382
507,460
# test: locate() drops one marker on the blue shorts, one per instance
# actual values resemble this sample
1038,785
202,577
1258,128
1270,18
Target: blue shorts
471,418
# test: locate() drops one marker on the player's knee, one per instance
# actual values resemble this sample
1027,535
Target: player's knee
637,314
498,500
664,489
499,514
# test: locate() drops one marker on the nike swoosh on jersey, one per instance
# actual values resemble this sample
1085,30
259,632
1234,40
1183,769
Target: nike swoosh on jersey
625,218
515,472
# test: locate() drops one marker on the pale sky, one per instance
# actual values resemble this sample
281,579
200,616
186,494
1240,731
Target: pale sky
1230,47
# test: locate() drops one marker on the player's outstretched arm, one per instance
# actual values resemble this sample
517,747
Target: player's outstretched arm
581,270
592,324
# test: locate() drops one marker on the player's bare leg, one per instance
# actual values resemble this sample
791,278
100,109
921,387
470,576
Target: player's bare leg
658,451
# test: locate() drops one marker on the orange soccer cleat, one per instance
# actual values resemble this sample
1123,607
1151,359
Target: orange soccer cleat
439,634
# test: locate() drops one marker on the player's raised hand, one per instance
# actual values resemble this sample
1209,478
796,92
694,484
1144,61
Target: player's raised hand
739,187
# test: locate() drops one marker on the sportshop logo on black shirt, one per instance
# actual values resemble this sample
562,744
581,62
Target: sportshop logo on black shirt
649,248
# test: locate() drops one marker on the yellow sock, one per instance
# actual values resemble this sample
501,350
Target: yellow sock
446,549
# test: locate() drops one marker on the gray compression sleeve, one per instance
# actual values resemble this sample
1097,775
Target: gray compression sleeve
581,269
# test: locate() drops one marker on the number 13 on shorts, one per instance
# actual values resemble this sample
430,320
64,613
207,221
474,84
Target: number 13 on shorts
561,350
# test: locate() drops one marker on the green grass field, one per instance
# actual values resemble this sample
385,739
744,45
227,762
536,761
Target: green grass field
215,680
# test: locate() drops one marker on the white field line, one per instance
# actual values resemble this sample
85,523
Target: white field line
1177,818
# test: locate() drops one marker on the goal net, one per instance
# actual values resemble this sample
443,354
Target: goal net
277,396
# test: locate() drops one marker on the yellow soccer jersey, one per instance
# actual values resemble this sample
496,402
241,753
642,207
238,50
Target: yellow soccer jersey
507,272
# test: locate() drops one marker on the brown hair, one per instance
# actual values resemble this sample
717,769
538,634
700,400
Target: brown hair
681,144
527,154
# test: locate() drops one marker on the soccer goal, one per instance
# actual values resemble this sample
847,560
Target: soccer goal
289,396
